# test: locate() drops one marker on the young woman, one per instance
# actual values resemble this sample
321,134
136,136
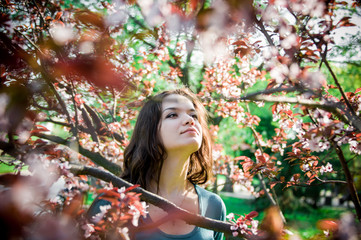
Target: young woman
169,154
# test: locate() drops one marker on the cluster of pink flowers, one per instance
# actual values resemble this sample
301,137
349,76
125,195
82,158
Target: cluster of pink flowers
326,169
124,206
244,224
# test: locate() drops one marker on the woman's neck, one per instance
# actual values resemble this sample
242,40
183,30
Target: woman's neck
173,177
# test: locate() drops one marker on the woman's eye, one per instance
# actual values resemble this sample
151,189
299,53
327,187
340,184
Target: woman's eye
195,116
171,115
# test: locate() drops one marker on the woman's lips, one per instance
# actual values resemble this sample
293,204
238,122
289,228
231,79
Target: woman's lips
190,130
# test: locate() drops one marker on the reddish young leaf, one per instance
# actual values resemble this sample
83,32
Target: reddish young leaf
240,43
74,205
252,214
58,15
40,128
131,188
328,224
108,193
345,22
90,19
244,158
83,177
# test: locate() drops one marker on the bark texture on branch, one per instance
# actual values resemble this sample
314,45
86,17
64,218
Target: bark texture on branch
97,158
350,183
331,107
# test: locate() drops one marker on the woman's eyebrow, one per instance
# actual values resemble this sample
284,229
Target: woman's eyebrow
175,109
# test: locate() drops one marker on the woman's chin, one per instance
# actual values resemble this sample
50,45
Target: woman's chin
194,147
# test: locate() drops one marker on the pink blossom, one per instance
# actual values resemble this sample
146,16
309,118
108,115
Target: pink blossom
89,229
124,232
279,73
235,234
99,216
316,143
61,34
230,217
289,42
137,211
114,127
254,227
305,167
314,80
234,227
294,71
121,191
243,227
355,147
326,169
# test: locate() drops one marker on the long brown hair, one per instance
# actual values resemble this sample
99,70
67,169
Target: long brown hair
145,154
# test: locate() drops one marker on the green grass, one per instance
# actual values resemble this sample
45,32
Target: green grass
305,221
6,169
239,206
9,169
301,221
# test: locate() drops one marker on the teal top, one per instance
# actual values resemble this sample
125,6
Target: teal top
210,205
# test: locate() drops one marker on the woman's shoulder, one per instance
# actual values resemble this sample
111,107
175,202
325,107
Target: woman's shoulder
208,195
212,204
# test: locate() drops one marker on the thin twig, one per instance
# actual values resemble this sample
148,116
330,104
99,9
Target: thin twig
316,184
353,118
30,41
261,178
330,181
97,158
72,91
264,31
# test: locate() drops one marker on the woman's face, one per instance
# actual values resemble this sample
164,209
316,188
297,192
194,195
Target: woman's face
179,125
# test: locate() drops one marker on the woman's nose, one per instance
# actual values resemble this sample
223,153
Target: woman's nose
189,120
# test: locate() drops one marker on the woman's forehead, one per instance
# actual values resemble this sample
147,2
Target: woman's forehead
176,100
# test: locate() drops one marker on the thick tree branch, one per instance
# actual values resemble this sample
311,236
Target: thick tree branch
349,179
325,105
190,218
97,158
296,100
273,90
